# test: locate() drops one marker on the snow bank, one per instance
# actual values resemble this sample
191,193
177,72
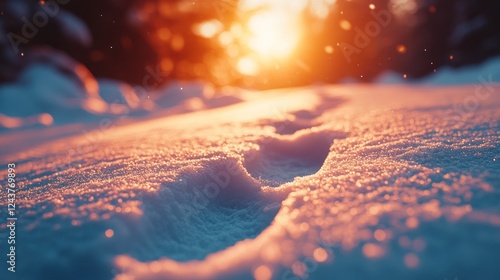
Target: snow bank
488,71
56,90
53,85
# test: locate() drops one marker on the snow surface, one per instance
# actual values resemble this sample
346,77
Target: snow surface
470,74
324,182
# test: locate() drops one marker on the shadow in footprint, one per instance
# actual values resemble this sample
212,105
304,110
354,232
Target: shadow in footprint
303,119
206,210
289,127
280,160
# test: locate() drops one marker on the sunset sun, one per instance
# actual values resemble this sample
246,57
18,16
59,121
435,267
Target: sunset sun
273,34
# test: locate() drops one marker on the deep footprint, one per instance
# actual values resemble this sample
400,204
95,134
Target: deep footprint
205,211
280,160
295,121
222,201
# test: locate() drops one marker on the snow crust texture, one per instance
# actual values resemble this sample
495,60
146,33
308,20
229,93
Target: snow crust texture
333,182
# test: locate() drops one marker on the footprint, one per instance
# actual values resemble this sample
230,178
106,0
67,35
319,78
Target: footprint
291,126
221,201
208,209
292,122
295,121
306,115
279,160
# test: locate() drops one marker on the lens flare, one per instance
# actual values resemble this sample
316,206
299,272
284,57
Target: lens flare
273,34
268,32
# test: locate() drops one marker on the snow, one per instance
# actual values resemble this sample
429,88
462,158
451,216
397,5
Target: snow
471,74
350,181
62,91
53,84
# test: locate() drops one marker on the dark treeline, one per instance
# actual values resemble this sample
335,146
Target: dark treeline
120,38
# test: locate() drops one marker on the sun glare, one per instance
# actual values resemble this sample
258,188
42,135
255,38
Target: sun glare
248,66
273,34
266,34
271,30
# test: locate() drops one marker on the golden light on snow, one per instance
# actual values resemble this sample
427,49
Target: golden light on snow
46,119
373,251
320,255
344,199
299,268
14,122
411,260
380,235
412,222
262,272
271,253
10,122
109,233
